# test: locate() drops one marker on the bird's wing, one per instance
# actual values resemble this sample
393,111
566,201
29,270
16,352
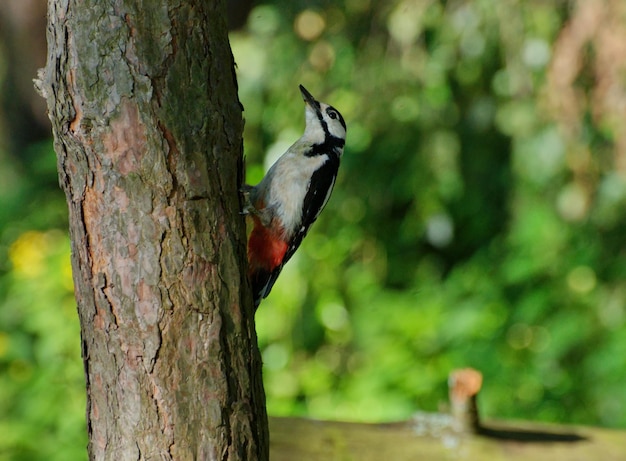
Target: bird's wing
319,190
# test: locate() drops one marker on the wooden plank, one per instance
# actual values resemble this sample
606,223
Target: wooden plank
460,434
431,437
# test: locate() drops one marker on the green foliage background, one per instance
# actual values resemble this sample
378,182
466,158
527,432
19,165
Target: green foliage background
477,221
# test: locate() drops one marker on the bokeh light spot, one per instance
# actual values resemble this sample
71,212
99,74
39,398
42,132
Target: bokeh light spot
309,25
581,279
439,230
275,356
334,316
264,20
573,202
27,254
404,23
536,53
472,44
322,56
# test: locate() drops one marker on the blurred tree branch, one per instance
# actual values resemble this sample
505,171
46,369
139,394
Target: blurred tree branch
23,38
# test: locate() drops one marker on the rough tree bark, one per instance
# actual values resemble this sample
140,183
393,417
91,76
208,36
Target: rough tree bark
147,127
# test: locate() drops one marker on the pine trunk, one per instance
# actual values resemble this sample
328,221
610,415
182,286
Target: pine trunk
148,133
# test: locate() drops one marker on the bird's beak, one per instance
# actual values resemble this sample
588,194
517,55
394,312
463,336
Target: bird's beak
308,98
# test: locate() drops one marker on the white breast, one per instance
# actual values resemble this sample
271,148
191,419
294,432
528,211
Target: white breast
288,182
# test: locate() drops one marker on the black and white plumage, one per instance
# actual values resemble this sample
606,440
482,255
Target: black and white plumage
293,193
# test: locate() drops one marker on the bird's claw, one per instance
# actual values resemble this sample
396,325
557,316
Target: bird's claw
248,208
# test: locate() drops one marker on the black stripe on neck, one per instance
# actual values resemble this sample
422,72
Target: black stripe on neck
331,145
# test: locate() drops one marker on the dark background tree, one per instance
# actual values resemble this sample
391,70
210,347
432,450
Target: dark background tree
147,127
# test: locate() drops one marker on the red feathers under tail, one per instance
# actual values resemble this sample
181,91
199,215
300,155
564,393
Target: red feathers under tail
265,259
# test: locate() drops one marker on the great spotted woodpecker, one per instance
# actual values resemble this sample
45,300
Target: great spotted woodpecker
292,194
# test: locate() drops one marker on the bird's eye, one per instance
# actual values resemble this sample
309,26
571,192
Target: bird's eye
332,115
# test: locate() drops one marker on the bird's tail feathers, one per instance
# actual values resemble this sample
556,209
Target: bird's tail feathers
262,282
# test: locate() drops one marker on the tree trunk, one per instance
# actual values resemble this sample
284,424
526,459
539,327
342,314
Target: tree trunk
147,125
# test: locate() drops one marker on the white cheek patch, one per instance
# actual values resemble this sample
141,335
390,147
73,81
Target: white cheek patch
336,129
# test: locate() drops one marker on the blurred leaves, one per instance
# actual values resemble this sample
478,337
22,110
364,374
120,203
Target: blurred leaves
477,218
42,398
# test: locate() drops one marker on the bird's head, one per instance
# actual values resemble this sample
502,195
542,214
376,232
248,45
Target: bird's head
324,123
